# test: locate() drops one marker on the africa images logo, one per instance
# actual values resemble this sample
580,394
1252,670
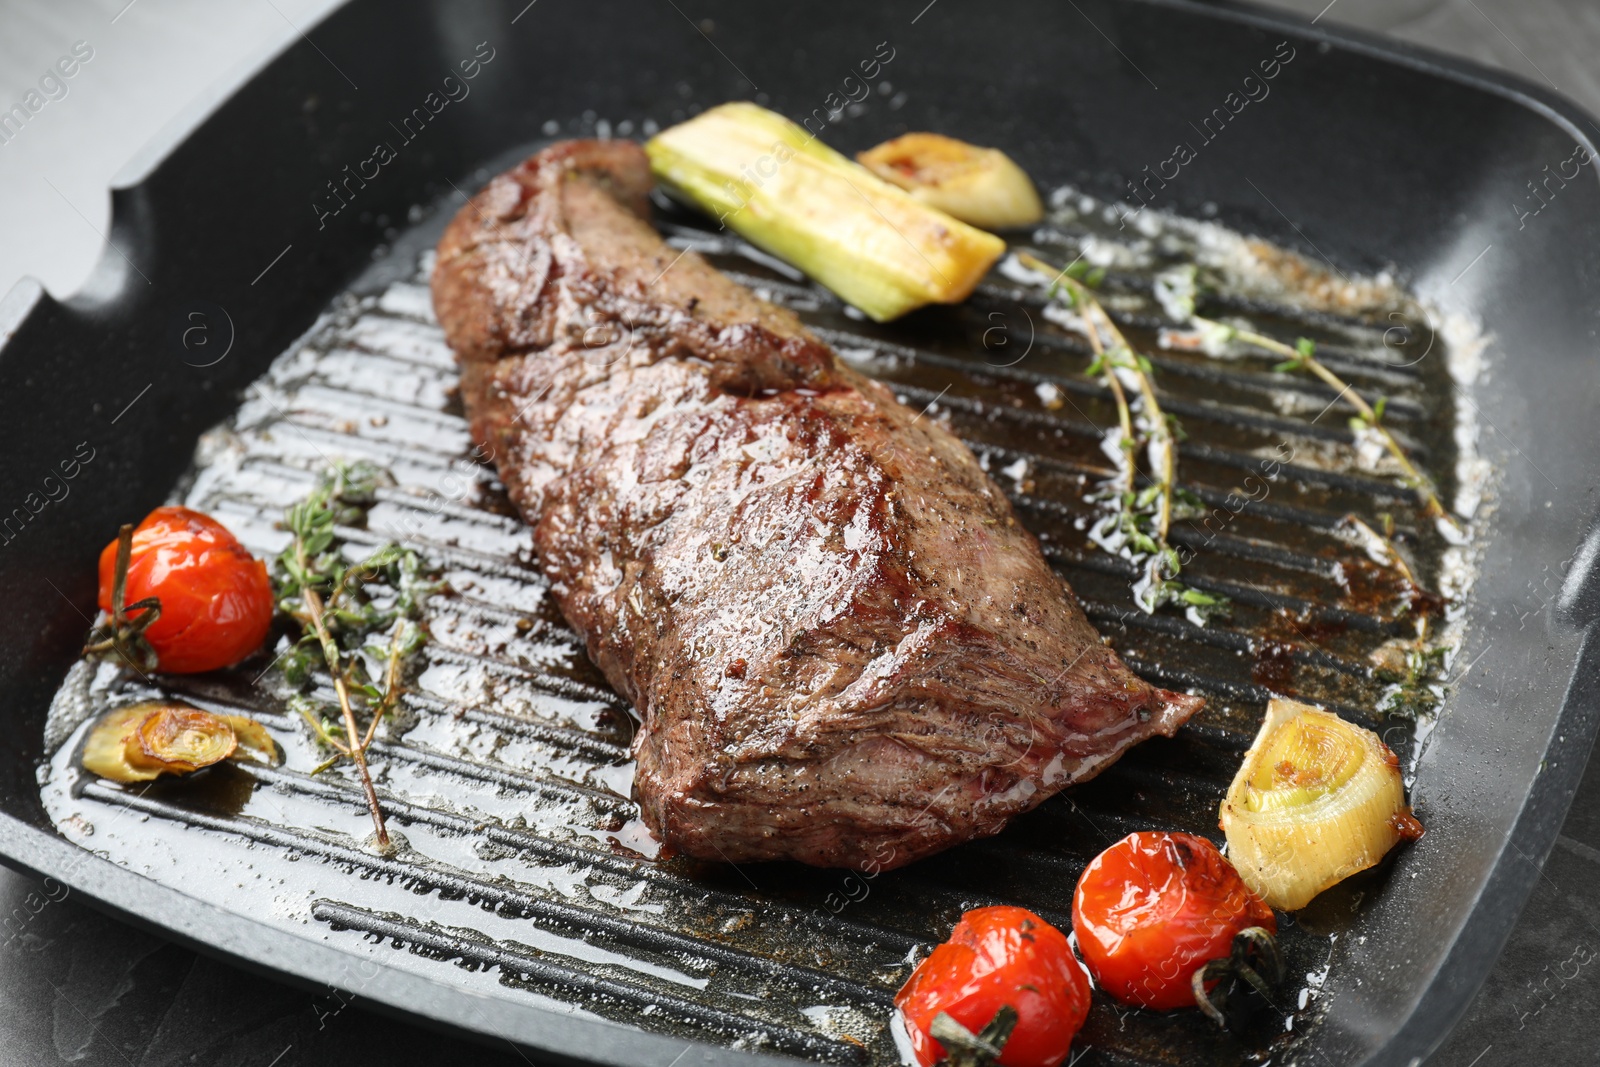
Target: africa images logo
343,191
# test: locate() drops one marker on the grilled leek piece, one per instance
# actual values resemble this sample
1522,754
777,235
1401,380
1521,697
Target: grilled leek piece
141,742
977,185
1316,800
783,190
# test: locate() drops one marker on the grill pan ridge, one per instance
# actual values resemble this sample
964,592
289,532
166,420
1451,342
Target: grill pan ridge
374,375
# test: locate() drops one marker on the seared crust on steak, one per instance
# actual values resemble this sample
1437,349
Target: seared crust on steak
844,648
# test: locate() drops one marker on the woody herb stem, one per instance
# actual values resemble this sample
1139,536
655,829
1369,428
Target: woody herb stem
1162,448
1304,356
356,747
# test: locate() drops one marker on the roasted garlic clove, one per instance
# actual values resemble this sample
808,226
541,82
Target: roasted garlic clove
977,185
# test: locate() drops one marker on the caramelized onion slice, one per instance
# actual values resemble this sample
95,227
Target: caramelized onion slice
144,741
1316,800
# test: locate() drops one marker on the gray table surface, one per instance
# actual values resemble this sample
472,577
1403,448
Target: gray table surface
77,987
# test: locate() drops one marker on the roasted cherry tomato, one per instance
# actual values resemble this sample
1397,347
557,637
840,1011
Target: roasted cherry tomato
216,599
999,956
1155,907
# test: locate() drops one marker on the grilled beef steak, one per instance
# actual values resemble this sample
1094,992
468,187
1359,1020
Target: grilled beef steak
844,648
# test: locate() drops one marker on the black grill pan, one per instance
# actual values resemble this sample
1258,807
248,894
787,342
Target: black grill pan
227,250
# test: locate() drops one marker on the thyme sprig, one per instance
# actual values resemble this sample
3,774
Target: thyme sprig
338,606
121,634
1368,418
1413,691
1142,518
